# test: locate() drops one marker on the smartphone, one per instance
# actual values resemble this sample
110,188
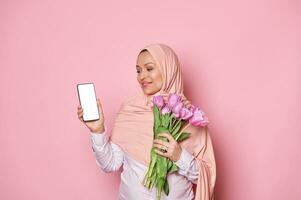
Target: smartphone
87,99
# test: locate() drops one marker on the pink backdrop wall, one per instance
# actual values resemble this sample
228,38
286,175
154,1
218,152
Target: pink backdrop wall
240,61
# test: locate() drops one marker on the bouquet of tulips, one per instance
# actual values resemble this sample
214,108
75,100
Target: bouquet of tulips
173,117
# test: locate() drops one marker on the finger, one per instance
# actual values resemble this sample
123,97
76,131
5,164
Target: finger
99,105
79,112
80,118
161,142
159,146
167,135
98,102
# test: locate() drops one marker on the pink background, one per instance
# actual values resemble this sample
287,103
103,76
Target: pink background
240,61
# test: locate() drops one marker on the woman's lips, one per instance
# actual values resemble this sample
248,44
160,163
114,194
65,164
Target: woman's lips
145,84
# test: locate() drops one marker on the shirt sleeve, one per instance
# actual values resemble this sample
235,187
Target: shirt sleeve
188,166
109,156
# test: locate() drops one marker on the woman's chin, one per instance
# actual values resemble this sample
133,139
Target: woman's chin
148,92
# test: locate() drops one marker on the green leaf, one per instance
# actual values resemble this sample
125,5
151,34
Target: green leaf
166,187
161,166
157,120
174,168
170,123
162,129
183,136
160,186
169,164
165,120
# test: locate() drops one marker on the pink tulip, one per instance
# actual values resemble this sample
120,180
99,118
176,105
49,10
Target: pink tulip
165,110
158,101
177,109
192,108
185,113
173,99
198,118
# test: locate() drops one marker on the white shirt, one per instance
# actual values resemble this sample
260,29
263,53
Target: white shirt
110,157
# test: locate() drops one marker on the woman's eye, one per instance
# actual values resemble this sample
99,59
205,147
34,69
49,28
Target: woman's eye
149,69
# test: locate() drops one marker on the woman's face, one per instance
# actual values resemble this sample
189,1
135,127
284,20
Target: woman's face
148,74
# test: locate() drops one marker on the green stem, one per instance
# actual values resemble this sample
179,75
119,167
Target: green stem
182,131
178,121
173,121
144,179
152,183
158,193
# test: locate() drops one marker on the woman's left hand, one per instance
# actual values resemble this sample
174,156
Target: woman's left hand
172,148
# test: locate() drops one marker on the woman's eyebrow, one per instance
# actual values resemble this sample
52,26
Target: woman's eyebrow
145,64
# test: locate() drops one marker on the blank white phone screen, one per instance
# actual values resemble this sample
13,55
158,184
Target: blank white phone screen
88,102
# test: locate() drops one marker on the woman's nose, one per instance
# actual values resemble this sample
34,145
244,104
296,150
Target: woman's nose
143,74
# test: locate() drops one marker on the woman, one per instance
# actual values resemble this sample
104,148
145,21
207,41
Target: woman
158,73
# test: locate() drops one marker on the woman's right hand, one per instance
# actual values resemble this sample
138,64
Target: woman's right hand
94,126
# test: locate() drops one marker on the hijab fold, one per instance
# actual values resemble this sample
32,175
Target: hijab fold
133,127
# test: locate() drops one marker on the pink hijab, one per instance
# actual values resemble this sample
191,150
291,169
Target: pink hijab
133,127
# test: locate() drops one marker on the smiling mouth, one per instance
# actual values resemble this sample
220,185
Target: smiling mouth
145,84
